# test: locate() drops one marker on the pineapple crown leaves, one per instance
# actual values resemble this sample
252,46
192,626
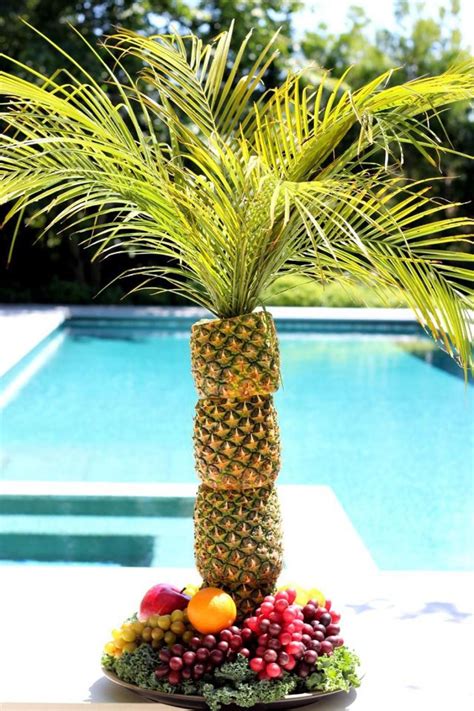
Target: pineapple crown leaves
230,186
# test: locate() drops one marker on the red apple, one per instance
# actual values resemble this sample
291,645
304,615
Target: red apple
162,599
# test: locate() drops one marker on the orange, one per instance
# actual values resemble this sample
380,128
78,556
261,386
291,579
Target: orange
211,610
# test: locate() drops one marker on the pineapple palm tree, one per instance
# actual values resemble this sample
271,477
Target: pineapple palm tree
231,187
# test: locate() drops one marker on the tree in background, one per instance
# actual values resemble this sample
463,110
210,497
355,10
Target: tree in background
418,46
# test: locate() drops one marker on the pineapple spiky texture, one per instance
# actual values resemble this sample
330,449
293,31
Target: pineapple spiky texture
235,358
238,541
238,537
236,442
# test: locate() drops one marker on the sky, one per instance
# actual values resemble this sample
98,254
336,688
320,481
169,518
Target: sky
333,13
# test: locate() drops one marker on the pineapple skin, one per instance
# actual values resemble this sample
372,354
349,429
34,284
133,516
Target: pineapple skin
238,534
236,442
238,542
235,358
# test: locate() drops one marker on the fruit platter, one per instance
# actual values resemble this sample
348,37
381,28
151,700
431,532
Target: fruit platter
190,648
238,639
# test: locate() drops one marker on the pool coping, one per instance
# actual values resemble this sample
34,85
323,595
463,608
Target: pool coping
23,327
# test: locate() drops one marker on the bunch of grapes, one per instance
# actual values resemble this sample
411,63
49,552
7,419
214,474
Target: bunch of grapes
157,630
202,654
290,637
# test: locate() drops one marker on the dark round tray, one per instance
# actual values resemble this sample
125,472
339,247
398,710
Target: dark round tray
187,701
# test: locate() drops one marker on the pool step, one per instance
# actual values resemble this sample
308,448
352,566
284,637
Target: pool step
151,525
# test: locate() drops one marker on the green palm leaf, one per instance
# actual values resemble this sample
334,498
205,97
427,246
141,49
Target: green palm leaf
224,188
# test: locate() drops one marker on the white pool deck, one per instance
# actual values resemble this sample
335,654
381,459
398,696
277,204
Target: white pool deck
413,630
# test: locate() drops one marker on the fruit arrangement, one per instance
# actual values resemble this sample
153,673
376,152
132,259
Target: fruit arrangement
290,643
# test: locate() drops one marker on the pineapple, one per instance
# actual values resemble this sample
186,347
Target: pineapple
238,539
235,358
236,442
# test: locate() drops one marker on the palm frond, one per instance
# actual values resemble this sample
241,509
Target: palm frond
223,188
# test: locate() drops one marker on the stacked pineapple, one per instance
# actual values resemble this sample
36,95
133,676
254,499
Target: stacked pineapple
235,364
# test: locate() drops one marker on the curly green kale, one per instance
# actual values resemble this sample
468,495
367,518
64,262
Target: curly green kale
138,667
238,671
247,694
236,683
334,673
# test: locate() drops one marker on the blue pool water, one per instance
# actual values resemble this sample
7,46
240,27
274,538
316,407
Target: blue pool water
392,435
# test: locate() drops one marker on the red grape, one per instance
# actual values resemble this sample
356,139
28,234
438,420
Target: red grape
283,658
285,638
274,630
270,656
186,673
252,624
291,663
217,657
326,647
162,671
164,655
198,671
202,654
209,641
174,677
257,664
327,604
189,658
274,643
303,670
245,652
266,608
289,614
177,650
273,670
295,648
281,604
335,617
325,619
310,656
235,643
291,595
226,636
335,640
333,629
309,611
195,643
281,595
175,663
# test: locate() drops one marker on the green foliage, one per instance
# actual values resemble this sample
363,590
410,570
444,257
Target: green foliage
339,671
234,682
419,45
136,667
247,187
299,291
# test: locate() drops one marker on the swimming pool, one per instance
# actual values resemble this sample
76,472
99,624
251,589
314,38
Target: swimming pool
391,434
